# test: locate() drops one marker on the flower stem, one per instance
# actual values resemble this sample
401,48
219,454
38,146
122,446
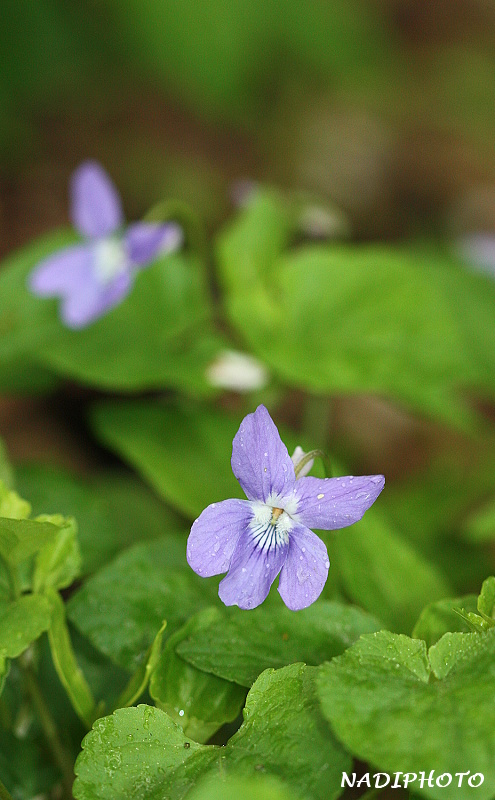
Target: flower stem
317,416
4,794
59,753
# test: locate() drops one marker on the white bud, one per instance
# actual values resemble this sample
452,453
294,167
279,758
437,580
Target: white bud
297,457
238,372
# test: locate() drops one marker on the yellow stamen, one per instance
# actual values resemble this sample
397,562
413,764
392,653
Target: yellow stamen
276,512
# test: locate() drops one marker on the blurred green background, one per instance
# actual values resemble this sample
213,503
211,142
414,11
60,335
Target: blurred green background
385,108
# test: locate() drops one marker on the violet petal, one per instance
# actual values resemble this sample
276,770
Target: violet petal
96,209
80,308
252,572
113,293
332,503
260,460
214,536
92,301
146,240
305,571
62,272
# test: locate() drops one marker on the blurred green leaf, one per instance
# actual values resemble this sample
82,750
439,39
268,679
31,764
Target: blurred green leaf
479,527
405,322
440,617
25,770
183,450
261,787
113,509
239,646
140,344
166,316
22,538
384,574
6,473
4,671
121,608
21,622
283,731
435,509
385,705
58,563
26,322
12,505
198,701
486,599
65,663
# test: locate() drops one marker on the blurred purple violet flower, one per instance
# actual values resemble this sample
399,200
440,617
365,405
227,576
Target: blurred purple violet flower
254,540
96,275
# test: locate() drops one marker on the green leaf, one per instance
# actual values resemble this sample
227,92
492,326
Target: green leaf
22,538
106,680
140,679
11,505
166,315
21,622
65,663
198,701
24,767
360,318
4,671
58,563
6,473
440,617
238,646
401,709
113,509
140,752
121,608
27,322
261,787
183,450
452,650
480,524
486,600
384,574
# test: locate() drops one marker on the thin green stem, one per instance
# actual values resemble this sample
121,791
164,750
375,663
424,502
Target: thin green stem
4,794
59,753
317,416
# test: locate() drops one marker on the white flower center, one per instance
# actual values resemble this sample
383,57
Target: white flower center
110,260
270,526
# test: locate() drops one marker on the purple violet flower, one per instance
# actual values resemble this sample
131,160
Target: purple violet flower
96,275
254,540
